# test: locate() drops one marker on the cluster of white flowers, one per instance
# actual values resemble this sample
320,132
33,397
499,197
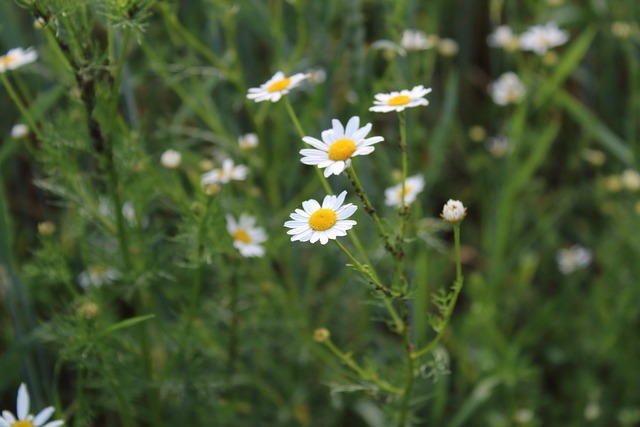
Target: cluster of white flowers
538,38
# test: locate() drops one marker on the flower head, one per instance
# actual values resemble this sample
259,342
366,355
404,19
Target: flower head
19,131
171,159
248,141
573,258
275,87
315,222
398,101
98,275
448,47
503,37
415,40
24,418
339,144
453,211
246,237
413,186
541,38
16,58
228,172
508,89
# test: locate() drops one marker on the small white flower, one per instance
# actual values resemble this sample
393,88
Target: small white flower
97,275
453,211
573,258
630,179
498,146
508,89
16,58
339,144
314,222
24,418
541,38
413,186
398,101
171,159
503,37
275,87
448,47
19,131
248,141
415,40
246,237
228,172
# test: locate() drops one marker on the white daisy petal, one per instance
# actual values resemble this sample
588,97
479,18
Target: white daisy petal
54,424
43,416
23,402
7,415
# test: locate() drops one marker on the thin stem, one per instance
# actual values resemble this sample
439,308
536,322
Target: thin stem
399,251
406,394
23,109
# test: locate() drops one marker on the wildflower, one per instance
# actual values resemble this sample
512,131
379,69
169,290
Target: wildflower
398,101
540,38
246,237
630,180
315,222
46,228
339,144
16,58
89,310
503,37
24,418
415,40
508,89
573,258
317,76
227,173
498,146
98,275
19,131
321,334
275,87
171,159
248,141
453,211
448,47
412,187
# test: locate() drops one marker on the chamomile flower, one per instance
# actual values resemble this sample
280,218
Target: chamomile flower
228,172
415,40
503,37
275,87
24,418
16,58
246,236
248,141
171,159
412,187
573,258
339,144
541,38
98,275
315,222
508,89
19,131
453,211
398,101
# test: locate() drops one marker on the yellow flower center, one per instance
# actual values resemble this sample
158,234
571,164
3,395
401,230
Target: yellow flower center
6,59
399,100
279,85
98,269
22,424
242,235
342,149
407,189
323,219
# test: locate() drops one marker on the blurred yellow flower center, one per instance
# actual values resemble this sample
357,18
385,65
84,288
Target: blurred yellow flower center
407,189
98,269
342,149
399,100
6,59
242,235
279,85
22,424
323,219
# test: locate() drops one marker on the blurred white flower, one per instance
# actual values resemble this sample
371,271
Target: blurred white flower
413,186
97,275
415,40
246,236
276,87
248,141
24,418
228,172
508,89
171,159
398,101
573,258
504,38
453,211
498,146
448,47
19,131
630,179
541,38
16,58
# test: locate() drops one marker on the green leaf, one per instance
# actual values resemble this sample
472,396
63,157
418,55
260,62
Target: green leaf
127,323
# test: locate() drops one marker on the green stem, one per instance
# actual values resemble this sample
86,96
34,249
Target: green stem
399,251
23,109
406,394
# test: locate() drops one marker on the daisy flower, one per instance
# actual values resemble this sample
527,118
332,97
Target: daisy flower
16,58
97,275
453,211
339,144
314,222
398,101
275,87
19,131
412,187
508,89
228,172
24,418
171,159
246,237
573,258
541,38
415,40
503,37
248,141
